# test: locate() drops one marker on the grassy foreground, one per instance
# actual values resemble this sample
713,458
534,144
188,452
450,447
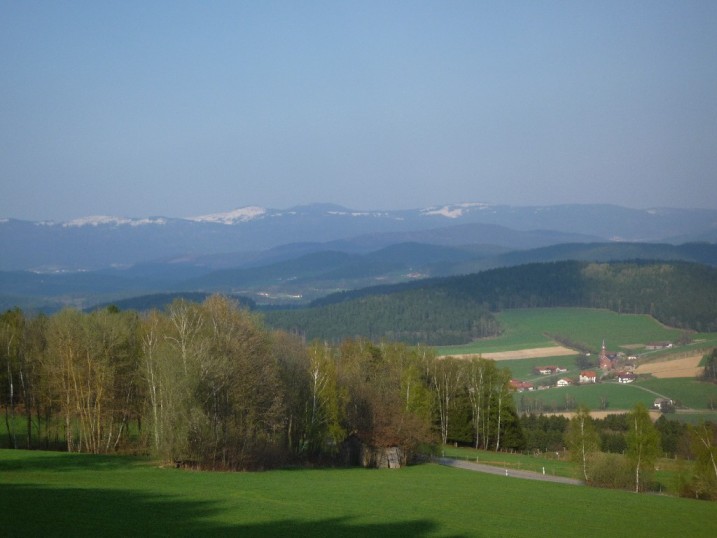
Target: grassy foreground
59,494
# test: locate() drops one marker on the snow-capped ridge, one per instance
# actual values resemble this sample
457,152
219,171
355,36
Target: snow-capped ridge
453,211
242,214
103,220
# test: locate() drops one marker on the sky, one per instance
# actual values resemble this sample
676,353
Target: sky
178,108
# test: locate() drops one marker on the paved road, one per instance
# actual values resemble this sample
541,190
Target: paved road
515,473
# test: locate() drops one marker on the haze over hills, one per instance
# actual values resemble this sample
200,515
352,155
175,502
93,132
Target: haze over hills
304,253
101,242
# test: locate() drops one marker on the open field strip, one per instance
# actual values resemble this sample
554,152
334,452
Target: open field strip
597,414
532,353
535,328
680,367
60,494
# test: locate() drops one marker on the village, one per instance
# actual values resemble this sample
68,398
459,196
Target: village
611,366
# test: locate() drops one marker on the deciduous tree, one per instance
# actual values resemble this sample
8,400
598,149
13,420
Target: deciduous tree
643,444
582,439
704,446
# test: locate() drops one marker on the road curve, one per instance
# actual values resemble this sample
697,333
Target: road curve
515,473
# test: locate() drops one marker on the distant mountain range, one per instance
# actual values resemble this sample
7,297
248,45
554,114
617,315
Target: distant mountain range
307,252
100,242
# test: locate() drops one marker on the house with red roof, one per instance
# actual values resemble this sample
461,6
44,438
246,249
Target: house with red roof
588,376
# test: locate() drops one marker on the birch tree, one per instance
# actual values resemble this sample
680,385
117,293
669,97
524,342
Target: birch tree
704,446
292,359
582,439
446,382
504,400
322,408
61,368
475,384
643,444
11,349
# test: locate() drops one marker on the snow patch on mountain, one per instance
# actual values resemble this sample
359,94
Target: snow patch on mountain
356,214
103,220
243,214
453,211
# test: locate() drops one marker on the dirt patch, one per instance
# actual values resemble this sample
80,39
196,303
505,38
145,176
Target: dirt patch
682,367
654,414
534,353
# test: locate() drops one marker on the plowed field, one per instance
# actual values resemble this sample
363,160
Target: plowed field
682,367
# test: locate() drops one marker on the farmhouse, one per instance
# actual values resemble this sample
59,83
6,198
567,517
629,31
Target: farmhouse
520,386
548,370
626,377
658,345
562,382
588,376
663,404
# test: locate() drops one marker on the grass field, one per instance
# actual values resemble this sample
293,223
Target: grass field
527,328
59,494
523,368
689,392
594,396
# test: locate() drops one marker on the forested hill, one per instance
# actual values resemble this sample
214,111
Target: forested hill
458,309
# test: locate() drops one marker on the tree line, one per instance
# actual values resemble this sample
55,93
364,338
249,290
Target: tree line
209,385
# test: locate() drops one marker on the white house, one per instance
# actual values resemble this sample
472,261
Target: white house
562,382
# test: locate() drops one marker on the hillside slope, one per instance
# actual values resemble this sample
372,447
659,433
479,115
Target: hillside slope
455,310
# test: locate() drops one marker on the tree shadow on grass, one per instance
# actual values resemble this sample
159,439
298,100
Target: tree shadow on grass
42,511
26,460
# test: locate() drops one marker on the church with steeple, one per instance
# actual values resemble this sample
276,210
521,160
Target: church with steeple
607,362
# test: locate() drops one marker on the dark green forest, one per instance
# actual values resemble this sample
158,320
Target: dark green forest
456,310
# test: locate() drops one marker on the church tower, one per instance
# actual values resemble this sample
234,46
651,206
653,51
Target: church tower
605,362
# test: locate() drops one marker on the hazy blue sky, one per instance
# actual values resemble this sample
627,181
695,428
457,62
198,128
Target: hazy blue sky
185,108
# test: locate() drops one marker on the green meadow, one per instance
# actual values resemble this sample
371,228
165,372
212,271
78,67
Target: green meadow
598,396
699,397
523,368
686,391
60,494
528,328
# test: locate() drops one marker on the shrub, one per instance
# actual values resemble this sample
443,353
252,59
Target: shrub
610,471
